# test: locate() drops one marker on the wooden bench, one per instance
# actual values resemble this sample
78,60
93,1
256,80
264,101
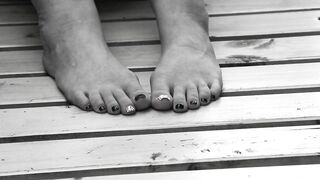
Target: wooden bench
265,125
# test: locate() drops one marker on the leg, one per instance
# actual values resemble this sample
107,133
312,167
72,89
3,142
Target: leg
76,55
188,70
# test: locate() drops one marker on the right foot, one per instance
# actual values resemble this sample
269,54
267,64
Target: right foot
76,55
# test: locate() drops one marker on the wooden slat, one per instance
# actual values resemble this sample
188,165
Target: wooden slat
225,27
297,172
58,122
158,152
237,80
18,14
245,52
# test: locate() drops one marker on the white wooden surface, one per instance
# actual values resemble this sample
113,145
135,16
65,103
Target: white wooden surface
298,172
204,148
238,111
272,50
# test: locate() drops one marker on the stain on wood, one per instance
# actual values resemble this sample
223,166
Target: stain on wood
247,58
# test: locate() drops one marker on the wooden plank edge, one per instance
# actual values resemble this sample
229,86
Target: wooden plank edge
292,172
310,159
302,112
218,158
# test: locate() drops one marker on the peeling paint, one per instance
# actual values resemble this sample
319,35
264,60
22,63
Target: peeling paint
247,58
265,44
154,156
244,43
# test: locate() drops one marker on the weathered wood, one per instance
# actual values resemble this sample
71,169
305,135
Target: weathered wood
224,27
241,52
158,152
120,10
297,172
60,122
237,81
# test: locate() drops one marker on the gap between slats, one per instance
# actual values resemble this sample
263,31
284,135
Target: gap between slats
162,152
146,57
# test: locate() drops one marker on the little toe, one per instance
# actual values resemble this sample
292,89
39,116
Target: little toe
139,97
79,99
193,97
97,102
160,96
126,105
216,90
179,99
204,94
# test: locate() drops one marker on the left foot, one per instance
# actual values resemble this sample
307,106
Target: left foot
189,74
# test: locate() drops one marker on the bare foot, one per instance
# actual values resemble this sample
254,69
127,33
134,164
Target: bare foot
76,55
188,75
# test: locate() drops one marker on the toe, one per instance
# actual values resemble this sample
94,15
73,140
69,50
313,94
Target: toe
179,99
139,97
216,90
79,99
112,105
204,94
193,97
160,96
126,105
97,102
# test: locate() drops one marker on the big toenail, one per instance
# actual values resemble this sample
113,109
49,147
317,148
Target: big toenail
88,107
204,100
213,97
193,102
140,96
102,108
163,96
130,109
179,106
115,108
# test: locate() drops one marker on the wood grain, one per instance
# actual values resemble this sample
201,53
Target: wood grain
237,81
222,28
293,172
157,152
60,122
140,57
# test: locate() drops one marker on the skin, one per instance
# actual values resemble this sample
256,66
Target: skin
85,70
188,71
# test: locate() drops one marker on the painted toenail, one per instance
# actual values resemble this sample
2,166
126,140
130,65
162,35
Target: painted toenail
193,102
179,106
213,97
161,97
139,97
102,108
115,108
130,109
204,100
88,107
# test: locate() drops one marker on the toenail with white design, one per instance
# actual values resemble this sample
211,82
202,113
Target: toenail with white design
161,97
130,108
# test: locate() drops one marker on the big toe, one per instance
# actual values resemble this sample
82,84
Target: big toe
160,96
139,97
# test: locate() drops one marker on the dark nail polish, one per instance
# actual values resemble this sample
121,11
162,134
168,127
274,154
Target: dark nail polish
193,102
88,107
139,97
179,106
115,108
102,108
204,100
